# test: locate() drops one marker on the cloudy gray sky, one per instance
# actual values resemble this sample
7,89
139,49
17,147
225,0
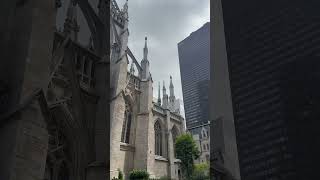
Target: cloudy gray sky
165,23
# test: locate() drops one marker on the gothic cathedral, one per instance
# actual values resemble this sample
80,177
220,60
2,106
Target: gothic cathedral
143,132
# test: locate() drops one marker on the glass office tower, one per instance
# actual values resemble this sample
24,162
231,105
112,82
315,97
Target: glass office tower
194,57
273,55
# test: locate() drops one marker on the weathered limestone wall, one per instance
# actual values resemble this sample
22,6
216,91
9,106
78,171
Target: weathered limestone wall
117,117
126,162
161,168
144,153
118,81
176,171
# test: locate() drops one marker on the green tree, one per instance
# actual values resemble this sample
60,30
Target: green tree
201,172
186,150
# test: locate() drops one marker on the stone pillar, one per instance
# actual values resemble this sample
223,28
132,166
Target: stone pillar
171,157
98,169
118,81
117,118
117,109
144,152
225,140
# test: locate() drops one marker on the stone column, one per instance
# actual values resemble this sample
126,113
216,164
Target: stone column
117,109
98,169
144,152
171,157
118,82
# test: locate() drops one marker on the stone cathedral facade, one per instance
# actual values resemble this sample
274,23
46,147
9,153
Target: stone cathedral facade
143,132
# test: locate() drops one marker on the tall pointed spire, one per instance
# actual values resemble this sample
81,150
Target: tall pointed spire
145,50
164,89
71,26
159,97
172,98
164,97
171,88
145,62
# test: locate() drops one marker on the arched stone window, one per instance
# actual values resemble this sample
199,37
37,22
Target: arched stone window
158,138
174,133
125,135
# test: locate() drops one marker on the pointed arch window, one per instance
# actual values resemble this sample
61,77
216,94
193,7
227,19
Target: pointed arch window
174,133
125,136
158,138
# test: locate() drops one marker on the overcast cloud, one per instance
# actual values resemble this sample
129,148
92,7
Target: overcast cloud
165,23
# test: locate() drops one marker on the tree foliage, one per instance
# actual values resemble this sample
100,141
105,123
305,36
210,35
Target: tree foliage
186,150
139,175
201,172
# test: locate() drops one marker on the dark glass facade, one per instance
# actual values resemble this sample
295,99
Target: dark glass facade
194,57
273,52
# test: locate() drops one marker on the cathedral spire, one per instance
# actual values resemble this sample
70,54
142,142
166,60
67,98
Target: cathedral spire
172,98
70,25
145,49
159,97
171,88
145,62
164,97
164,89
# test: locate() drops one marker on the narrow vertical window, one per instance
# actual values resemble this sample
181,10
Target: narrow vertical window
158,138
125,135
174,133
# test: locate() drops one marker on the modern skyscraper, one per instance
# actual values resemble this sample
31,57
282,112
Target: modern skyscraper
194,57
273,56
